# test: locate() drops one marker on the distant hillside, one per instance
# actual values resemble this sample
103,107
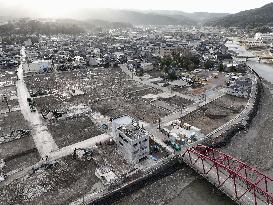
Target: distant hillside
205,16
91,24
133,17
198,17
29,27
250,18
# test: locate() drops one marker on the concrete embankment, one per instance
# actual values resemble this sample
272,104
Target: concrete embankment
222,136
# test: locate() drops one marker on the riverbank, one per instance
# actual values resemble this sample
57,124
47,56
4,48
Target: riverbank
183,186
254,146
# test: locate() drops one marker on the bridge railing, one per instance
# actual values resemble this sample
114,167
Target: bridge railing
243,176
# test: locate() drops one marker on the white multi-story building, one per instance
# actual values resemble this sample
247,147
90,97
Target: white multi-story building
132,140
39,66
265,37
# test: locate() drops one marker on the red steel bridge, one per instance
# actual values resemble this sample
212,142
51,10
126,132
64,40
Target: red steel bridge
241,182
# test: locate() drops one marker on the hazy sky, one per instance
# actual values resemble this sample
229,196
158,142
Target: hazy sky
61,7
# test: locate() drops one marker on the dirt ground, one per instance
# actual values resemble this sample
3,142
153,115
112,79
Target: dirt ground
138,108
254,146
98,83
19,153
60,185
177,101
12,121
109,155
68,131
22,160
215,114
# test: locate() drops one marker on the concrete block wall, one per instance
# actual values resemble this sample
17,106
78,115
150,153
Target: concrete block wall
221,136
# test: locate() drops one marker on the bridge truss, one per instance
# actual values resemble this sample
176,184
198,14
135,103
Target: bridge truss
243,179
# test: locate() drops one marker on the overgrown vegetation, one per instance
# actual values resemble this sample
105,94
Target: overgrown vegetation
188,62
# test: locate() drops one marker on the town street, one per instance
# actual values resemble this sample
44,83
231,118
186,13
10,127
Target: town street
43,140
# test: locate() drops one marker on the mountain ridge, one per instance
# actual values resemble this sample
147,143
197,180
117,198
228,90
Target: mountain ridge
134,17
254,17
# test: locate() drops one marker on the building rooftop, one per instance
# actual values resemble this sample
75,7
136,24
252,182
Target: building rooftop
133,131
124,120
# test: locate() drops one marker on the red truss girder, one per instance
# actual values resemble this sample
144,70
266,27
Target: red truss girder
242,174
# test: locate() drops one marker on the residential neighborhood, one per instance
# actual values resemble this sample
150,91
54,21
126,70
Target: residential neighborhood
121,113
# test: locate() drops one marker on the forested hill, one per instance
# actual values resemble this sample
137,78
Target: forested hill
249,18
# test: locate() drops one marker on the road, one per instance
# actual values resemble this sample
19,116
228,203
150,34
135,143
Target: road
91,142
42,138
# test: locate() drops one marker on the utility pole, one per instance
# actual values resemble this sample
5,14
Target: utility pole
205,97
159,123
182,108
16,72
5,99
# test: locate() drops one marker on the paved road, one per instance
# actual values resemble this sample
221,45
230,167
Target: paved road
42,138
83,144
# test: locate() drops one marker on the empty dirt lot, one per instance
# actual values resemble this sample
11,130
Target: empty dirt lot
215,114
68,131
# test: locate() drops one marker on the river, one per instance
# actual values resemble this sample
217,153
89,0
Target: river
264,70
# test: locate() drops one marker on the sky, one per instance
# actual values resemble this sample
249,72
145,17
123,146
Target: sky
55,8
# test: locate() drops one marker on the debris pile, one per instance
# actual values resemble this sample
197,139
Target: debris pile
14,135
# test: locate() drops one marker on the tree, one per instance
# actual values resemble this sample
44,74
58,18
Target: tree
264,29
221,67
208,64
166,63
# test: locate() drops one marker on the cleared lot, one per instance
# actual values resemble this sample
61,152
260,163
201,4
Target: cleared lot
215,114
72,130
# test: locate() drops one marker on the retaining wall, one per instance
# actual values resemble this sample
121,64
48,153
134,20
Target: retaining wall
221,136
132,183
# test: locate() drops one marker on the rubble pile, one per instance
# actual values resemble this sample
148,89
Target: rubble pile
14,135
